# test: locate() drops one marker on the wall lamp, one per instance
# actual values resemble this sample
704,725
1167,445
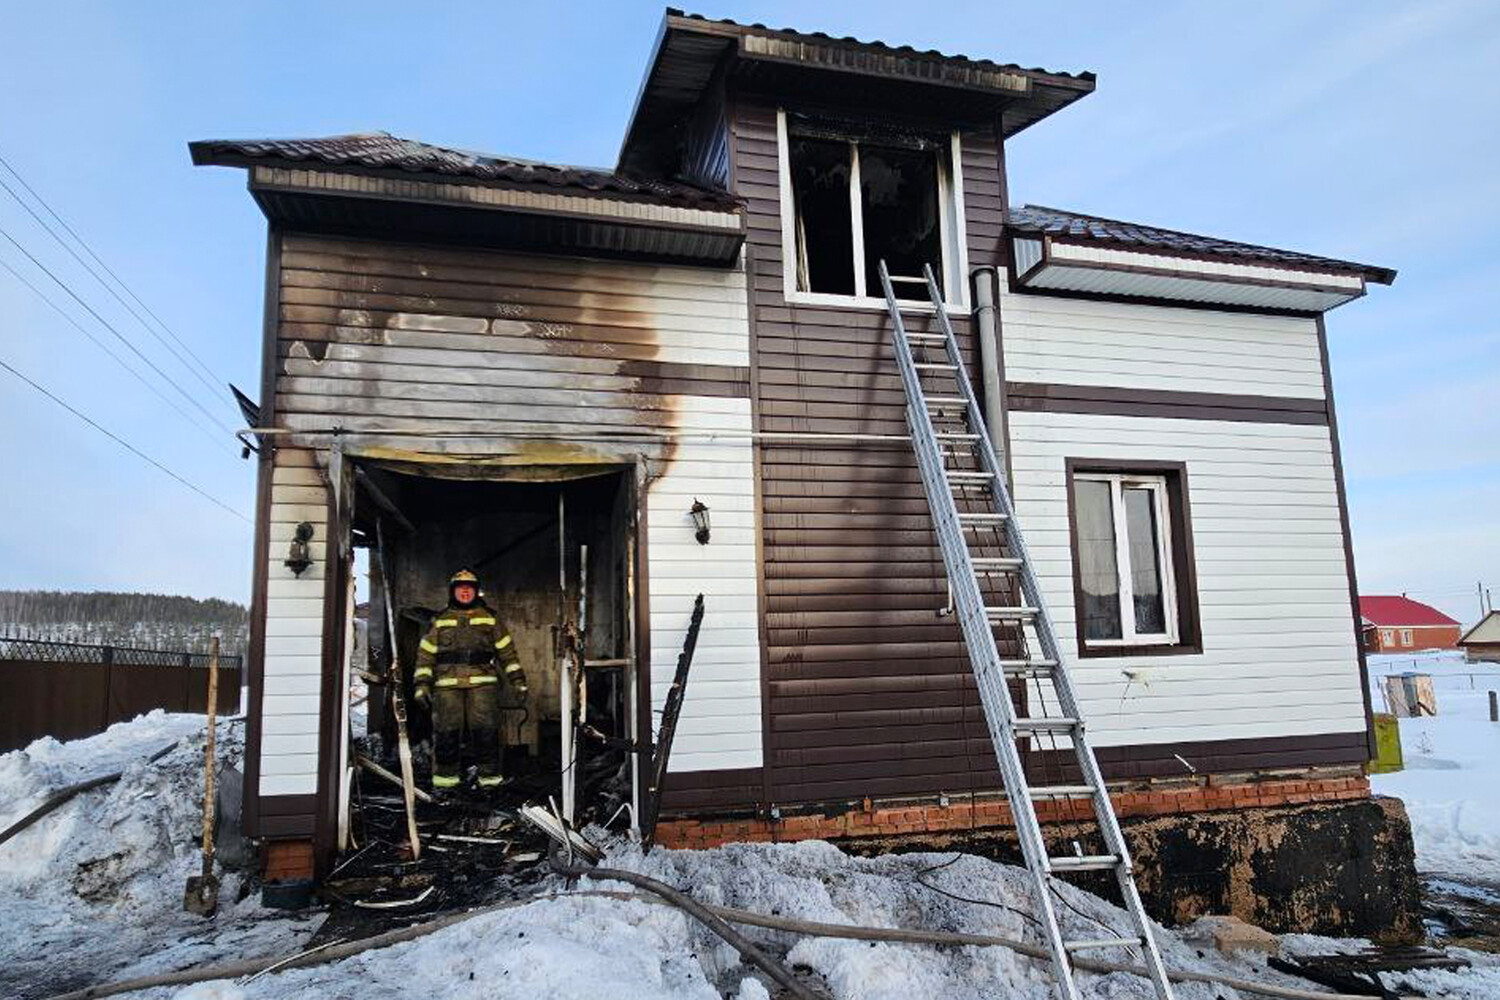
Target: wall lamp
299,556
699,510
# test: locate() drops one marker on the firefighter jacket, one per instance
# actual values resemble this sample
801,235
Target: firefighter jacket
467,647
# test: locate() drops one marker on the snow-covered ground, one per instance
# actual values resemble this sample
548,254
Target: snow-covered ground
1451,784
93,893
94,890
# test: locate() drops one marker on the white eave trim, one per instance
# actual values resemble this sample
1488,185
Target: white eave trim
480,196
1045,264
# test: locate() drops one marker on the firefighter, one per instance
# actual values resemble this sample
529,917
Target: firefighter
458,675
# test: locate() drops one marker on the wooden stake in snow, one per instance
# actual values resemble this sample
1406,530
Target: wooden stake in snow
398,699
202,893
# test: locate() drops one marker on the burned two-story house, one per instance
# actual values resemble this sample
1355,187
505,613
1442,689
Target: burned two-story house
610,391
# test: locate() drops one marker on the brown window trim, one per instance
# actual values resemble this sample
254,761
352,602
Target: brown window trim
1184,568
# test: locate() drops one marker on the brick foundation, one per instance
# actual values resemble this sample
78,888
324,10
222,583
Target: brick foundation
871,819
287,860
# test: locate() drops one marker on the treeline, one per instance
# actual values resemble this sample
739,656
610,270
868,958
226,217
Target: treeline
44,606
144,621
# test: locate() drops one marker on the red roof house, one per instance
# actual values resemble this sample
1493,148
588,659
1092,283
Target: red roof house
1398,624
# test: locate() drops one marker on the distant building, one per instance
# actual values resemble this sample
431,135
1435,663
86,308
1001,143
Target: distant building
1402,625
1482,642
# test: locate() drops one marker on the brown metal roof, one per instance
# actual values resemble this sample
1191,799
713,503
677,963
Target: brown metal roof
905,51
1040,220
382,152
817,67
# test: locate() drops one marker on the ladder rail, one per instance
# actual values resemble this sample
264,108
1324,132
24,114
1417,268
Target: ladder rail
990,680
977,626
1031,591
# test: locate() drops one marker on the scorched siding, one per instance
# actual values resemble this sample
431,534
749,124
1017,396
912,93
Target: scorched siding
388,336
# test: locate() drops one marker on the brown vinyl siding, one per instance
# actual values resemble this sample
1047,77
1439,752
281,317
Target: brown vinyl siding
869,692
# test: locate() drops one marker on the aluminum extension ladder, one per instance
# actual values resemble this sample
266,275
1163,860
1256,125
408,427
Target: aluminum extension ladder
949,428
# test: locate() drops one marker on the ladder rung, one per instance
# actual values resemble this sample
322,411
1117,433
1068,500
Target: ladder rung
1009,612
925,336
951,436
1028,668
1060,791
1057,725
927,366
1087,943
1086,863
946,401
994,563
967,474
986,517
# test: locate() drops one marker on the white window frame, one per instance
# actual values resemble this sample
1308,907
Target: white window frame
1118,481
952,232
1388,637
1406,637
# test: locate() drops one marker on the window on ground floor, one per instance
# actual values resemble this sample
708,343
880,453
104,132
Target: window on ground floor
1387,637
1406,637
1132,561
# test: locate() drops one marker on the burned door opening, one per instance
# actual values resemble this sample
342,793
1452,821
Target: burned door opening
552,551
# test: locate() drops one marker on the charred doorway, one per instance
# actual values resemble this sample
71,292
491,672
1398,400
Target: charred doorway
554,557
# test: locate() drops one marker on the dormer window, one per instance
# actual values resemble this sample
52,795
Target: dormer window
852,196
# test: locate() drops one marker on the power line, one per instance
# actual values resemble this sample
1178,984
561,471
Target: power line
110,327
209,382
122,442
195,421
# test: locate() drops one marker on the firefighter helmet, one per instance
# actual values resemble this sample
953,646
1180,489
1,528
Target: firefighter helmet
463,578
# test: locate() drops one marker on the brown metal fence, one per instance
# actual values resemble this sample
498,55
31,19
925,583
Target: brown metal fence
67,689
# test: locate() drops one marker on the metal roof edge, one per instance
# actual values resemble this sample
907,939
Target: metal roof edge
1295,259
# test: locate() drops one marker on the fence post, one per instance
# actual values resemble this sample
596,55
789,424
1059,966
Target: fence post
1494,708
109,683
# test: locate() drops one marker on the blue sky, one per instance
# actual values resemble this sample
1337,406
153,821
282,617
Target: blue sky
1366,130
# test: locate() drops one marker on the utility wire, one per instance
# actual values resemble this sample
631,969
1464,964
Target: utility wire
120,336
122,442
195,421
212,378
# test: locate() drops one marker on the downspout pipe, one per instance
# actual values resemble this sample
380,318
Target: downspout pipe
986,319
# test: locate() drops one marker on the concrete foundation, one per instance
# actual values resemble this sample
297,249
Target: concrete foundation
1337,868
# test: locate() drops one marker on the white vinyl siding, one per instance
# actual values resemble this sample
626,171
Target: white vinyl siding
1279,655
294,630
378,335
1123,345
720,726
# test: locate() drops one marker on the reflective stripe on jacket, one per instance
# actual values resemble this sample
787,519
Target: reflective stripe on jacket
466,647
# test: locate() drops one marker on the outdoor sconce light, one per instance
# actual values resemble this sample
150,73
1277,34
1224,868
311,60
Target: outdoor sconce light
299,557
699,510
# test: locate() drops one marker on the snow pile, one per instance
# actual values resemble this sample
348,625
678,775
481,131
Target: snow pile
95,887
816,881
590,947
1451,784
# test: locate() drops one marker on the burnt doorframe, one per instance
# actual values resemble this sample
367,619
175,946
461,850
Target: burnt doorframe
342,489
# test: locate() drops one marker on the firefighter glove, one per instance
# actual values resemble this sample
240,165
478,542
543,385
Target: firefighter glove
423,695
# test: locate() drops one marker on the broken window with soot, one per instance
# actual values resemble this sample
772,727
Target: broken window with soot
859,201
